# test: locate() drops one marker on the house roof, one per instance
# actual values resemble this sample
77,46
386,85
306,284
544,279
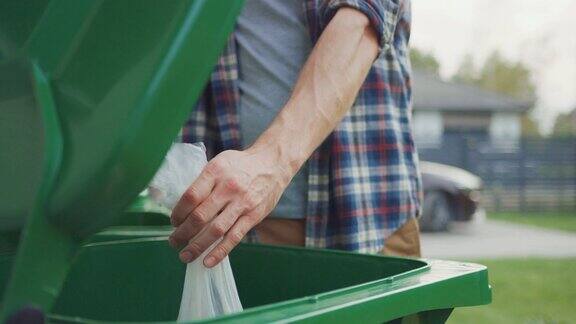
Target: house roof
432,93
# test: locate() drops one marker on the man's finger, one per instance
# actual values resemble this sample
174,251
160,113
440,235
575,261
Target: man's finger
192,197
199,218
211,233
182,234
232,238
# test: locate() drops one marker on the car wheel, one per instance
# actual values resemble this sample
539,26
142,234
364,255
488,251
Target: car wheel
436,212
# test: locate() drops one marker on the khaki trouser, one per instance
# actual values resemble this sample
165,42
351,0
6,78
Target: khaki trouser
404,242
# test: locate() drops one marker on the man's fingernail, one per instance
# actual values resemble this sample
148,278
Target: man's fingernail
209,262
186,257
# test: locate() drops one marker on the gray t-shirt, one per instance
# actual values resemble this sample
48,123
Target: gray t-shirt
273,44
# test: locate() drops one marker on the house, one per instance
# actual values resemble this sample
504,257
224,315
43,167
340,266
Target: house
444,109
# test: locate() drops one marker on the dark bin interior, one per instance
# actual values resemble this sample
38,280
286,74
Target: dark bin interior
143,219
141,280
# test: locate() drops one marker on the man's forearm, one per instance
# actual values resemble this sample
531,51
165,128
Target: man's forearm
325,90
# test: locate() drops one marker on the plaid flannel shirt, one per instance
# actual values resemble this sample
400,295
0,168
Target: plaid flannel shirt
363,180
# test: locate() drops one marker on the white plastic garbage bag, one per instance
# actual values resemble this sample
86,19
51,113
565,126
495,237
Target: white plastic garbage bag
207,292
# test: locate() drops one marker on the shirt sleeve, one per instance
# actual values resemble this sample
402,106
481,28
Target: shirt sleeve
383,15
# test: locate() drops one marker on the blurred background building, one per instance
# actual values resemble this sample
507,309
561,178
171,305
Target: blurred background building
445,109
481,120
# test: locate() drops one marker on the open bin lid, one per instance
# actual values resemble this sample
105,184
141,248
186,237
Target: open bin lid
92,93
123,76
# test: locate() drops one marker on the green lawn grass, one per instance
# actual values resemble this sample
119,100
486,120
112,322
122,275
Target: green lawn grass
560,220
526,291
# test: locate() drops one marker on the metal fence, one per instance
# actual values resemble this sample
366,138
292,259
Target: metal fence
529,175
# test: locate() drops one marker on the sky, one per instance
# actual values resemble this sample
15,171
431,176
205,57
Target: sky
539,33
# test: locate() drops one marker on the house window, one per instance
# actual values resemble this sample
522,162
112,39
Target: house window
428,129
505,130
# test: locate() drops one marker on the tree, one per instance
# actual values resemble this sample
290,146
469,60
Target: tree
529,127
565,124
499,75
424,61
466,72
513,79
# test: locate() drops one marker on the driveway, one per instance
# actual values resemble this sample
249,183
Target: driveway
494,239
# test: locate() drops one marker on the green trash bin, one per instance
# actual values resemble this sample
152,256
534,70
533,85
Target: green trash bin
144,218
92,93
140,280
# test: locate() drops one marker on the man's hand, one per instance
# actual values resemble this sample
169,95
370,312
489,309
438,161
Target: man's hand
234,192
237,189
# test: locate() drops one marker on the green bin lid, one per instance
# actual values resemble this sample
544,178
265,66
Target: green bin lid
92,93
123,77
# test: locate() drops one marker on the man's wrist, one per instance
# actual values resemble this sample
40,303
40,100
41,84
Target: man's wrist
281,149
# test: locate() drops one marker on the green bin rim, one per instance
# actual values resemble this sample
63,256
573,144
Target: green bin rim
425,286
